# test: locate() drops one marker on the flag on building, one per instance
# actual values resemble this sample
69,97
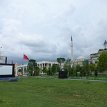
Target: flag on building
25,57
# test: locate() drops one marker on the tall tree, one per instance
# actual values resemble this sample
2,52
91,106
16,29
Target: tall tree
60,60
32,65
49,72
92,68
102,64
67,66
55,68
45,70
86,68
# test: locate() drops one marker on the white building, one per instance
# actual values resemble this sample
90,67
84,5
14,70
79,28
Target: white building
40,64
23,68
78,62
47,64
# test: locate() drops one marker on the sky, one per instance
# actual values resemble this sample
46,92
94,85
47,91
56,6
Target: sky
42,29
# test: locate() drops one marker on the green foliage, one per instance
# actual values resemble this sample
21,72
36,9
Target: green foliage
86,68
67,66
36,71
102,64
96,73
82,71
60,61
92,67
49,71
54,69
32,67
78,68
45,70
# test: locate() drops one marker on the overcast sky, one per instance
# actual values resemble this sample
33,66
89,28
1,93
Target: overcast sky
42,28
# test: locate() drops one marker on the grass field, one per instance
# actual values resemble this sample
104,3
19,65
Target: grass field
48,92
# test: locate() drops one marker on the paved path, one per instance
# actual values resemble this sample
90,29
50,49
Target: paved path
89,80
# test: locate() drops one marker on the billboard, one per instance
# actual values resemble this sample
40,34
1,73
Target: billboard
7,70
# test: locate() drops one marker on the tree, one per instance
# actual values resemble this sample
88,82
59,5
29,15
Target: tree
82,71
60,60
55,68
49,72
67,66
32,67
96,72
77,69
102,64
52,69
72,71
92,68
45,70
36,71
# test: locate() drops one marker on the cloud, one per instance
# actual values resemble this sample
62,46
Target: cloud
42,29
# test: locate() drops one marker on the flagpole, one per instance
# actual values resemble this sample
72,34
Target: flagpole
22,59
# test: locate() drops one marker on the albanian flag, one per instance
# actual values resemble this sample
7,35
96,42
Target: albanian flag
25,57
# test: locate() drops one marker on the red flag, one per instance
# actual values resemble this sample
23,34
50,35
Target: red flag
25,57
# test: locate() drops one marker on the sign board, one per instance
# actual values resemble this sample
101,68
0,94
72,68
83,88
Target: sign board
7,70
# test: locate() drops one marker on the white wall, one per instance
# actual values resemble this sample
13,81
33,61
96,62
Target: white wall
5,70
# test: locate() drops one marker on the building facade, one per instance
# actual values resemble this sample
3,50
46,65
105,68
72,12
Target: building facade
40,64
47,64
94,57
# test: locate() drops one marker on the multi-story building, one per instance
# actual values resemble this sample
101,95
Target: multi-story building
94,57
47,64
80,61
40,64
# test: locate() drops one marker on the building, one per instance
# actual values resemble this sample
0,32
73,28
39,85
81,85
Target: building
80,61
94,57
47,64
19,68
40,64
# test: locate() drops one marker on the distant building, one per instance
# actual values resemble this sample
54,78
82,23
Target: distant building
3,59
80,61
20,69
94,57
47,64
40,64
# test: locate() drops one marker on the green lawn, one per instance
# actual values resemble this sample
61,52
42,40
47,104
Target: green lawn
48,92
